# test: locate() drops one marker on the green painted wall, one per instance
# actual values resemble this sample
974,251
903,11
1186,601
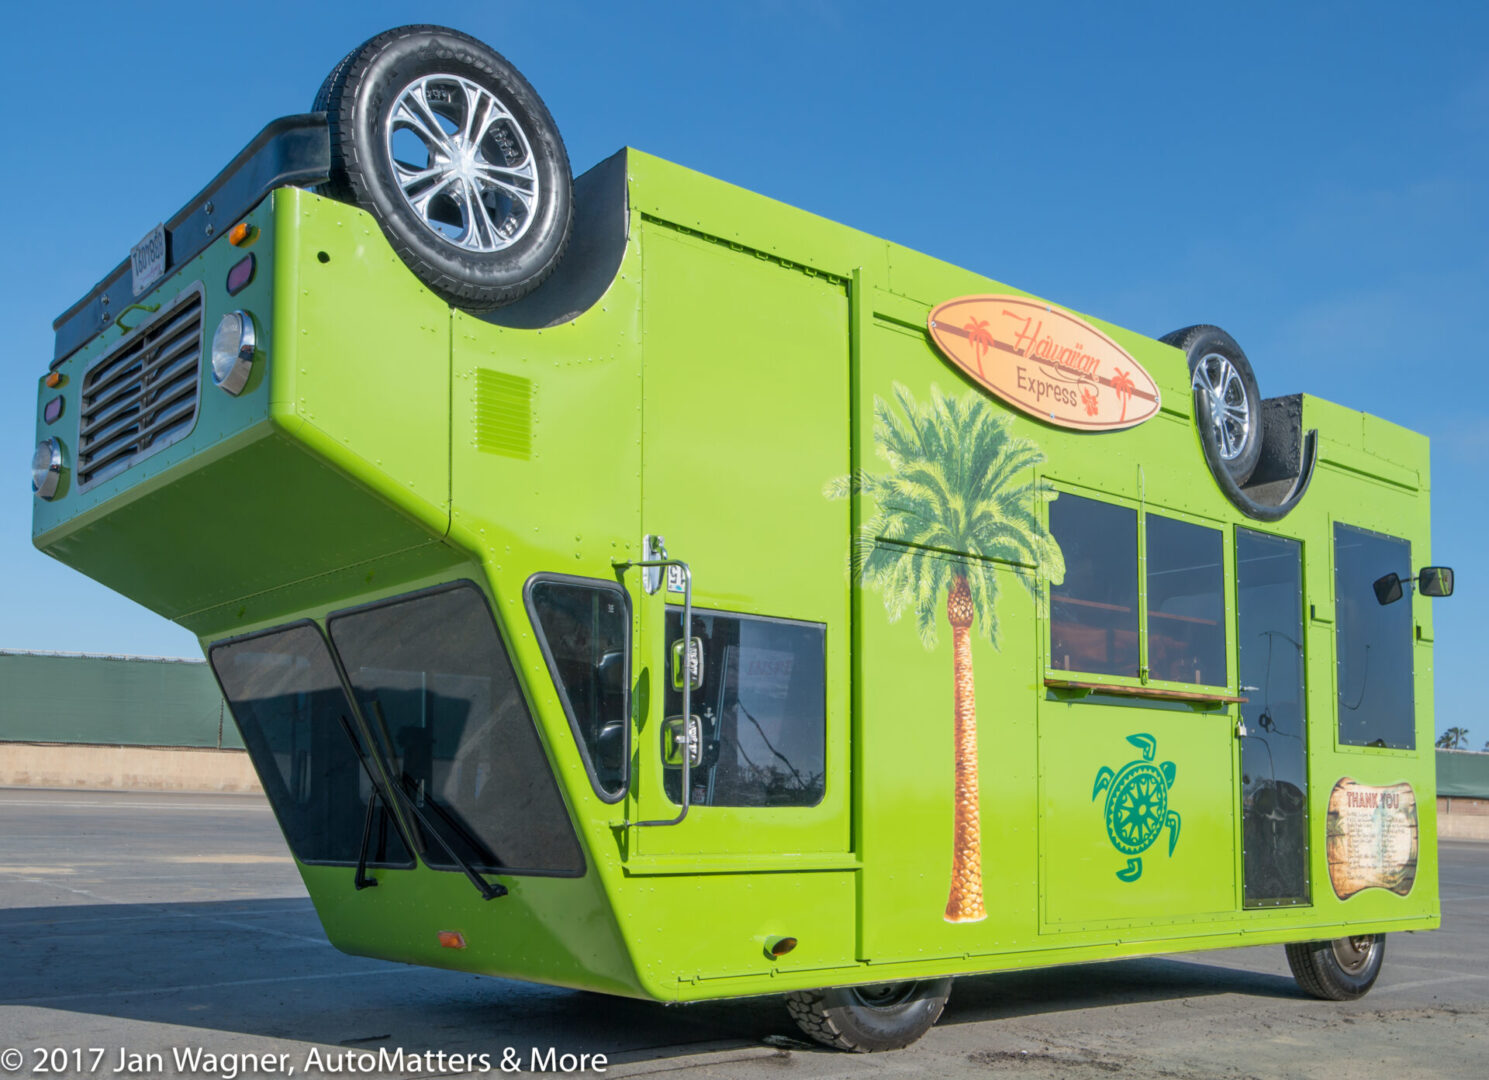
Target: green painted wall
111,700
1463,773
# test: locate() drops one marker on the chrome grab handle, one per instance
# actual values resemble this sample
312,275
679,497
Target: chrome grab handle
687,683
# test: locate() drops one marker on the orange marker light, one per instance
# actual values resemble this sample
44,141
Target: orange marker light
54,380
777,947
240,234
452,939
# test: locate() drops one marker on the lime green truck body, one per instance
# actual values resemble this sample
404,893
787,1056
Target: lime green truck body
713,393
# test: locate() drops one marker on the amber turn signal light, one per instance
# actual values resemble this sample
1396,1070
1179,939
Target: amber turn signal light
777,947
54,380
240,234
452,939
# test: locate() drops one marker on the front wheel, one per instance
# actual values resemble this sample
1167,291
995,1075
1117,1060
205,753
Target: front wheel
863,1019
1340,970
456,157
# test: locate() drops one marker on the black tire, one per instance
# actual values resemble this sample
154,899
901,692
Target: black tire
1339,970
1213,355
864,1019
474,256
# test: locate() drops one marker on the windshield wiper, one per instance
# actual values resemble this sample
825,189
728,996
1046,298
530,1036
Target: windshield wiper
362,881
488,890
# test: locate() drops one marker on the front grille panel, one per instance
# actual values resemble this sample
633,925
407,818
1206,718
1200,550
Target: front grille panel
142,397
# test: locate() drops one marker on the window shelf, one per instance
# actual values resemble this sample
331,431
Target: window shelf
1158,693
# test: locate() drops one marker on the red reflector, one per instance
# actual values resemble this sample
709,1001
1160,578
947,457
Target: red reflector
53,409
452,939
240,275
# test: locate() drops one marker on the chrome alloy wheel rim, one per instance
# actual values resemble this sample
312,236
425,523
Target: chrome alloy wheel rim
462,163
1353,953
1230,411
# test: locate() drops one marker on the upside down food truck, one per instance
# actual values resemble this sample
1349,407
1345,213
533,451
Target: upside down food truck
634,584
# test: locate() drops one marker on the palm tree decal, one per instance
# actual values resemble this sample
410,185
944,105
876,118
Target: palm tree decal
956,483
980,337
1122,386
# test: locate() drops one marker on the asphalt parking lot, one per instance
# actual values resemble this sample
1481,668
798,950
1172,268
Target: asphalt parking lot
143,924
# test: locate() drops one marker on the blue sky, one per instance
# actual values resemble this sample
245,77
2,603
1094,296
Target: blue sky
1310,177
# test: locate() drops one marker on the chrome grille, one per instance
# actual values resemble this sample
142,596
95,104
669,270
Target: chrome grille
141,397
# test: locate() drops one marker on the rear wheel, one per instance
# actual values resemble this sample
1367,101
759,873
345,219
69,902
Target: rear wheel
451,150
882,1016
1339,970
1219,370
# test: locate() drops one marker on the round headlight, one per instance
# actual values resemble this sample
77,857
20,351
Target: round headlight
232,351
46,468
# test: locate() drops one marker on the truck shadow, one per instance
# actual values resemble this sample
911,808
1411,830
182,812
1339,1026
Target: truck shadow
239,972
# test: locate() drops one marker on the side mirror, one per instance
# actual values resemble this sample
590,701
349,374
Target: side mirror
694,663
1387,589
1436,581
676,735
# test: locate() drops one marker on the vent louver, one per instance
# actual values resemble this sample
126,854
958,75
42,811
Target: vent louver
141,397
504,405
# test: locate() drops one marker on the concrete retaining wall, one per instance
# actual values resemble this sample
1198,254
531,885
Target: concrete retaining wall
120,768
1462,818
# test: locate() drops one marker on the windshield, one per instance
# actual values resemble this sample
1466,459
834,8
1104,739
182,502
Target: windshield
289,704
433,681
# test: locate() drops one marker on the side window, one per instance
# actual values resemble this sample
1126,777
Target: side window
763,709
585,630
290,706
1376,700
1094,614
1186,602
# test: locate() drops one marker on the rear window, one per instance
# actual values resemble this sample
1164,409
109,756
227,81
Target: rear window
1376,700
289,704
1093,613
1186,602
432,678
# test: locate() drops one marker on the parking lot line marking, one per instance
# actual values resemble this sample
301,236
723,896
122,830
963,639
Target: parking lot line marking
194,987
4,925
1416,984
1396,962
253,807
166,913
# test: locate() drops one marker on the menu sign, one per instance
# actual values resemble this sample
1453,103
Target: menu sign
1372,838
1045,362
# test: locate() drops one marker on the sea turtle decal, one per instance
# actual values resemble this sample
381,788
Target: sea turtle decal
1137,805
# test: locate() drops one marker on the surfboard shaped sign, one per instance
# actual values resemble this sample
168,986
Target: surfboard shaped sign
1045,362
